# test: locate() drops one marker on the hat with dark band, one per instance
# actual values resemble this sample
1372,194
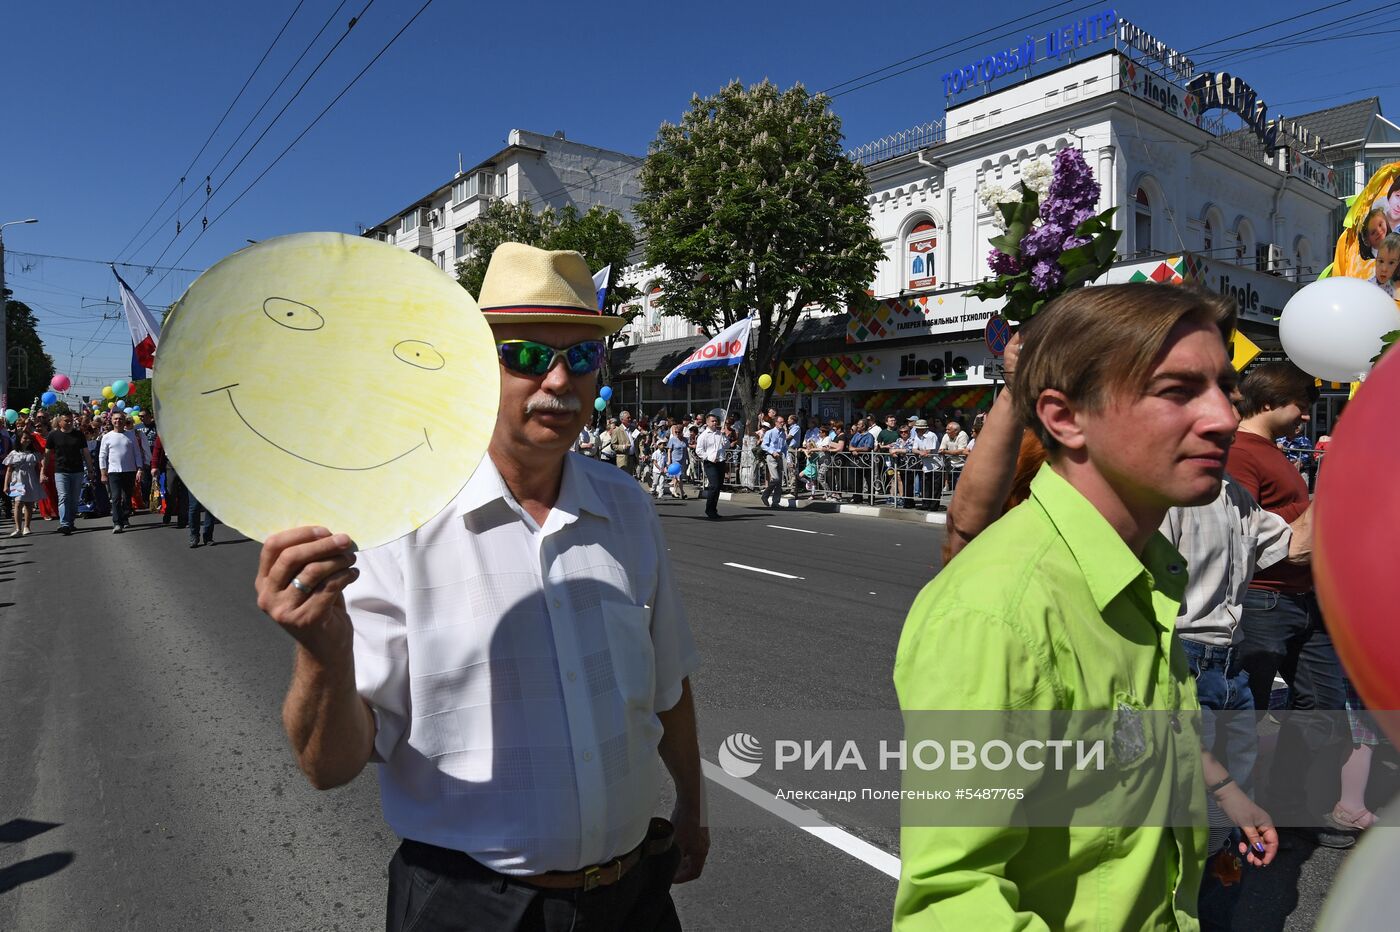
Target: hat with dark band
527,285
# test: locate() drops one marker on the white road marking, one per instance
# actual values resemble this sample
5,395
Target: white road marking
806,819
779,527
759,569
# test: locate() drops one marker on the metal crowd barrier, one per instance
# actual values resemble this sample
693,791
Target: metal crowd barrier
855,477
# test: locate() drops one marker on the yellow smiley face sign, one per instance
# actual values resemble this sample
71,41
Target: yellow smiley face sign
326,379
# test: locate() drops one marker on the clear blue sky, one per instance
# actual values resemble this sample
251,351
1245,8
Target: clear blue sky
105,104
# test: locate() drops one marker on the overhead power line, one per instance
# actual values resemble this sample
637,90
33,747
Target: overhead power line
237,97
208,192
345,90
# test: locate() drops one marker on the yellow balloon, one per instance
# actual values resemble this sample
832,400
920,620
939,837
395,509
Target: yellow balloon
259,355
136,419
111,405
765,381
108,393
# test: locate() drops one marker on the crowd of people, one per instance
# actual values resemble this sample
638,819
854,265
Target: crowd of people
96,465
902,460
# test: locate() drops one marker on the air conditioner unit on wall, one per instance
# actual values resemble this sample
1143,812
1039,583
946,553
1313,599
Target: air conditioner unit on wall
434,218
1275,256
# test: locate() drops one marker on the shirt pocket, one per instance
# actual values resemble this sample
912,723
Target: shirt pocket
632,654
1242,566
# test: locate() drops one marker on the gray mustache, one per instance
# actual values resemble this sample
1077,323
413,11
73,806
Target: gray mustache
552,405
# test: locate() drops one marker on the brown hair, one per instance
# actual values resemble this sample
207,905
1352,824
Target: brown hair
1363,245
1274,385
1093,342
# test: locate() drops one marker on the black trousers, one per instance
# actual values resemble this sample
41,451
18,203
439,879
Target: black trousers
714,479
120,487
177,502
432,889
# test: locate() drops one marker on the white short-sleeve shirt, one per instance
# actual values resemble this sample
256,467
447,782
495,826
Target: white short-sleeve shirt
516,671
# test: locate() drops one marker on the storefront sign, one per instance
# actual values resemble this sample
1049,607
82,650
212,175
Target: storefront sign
1153,49
1159,92
898,318
1313,172
1260,296
1054,45
919,256
932,366
1220,90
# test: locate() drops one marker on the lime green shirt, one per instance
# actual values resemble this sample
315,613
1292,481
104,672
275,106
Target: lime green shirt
1049,609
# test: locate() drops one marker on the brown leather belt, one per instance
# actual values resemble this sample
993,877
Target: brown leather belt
661,835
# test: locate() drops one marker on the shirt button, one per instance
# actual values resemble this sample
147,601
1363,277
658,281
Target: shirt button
587,756
572,676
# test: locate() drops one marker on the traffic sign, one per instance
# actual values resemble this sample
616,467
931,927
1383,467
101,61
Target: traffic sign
997,334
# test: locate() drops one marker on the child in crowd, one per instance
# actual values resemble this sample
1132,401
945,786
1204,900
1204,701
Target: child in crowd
1387,263
658,469
22,481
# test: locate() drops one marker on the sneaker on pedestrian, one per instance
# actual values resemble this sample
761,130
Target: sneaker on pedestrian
194,542
117,530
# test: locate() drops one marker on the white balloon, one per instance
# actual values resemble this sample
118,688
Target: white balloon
1332,328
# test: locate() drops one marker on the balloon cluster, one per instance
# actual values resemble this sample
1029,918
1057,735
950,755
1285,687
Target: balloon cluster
604,396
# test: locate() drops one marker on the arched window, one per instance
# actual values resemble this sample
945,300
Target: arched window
919,245
1142,223
1244,242
1302,258
1212,228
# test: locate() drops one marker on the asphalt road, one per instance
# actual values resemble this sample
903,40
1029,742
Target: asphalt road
145,782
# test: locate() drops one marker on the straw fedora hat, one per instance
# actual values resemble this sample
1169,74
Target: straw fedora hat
526,285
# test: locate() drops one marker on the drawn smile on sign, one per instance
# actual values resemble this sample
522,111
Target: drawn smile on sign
228,389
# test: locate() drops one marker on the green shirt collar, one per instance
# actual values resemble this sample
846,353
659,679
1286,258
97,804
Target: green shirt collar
1107,563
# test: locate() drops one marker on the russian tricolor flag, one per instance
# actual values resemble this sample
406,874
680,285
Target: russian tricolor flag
145,332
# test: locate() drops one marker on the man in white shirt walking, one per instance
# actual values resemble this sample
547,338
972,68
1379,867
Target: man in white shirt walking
119,458
710,447
516,664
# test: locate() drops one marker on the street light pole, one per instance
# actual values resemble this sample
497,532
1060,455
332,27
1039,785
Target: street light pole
5,319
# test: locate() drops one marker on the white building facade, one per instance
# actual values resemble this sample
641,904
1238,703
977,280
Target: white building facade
1249,221
535,169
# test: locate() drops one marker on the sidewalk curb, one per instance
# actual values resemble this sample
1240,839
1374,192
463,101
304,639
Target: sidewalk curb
751,500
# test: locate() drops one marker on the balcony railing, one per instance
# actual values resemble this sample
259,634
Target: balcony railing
902,143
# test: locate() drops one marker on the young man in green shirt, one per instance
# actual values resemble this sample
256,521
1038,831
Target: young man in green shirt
1069,602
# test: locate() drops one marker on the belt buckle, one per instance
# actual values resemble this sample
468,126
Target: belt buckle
593,876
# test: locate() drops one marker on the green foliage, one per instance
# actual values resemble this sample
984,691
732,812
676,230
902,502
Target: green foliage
1387,341
601,234
749,205
21,332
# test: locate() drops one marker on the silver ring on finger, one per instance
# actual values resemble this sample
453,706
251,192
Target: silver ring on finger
300,586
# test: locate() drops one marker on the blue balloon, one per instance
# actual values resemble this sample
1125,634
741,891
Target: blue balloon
605,393
674,469
121,405
599,404
48,398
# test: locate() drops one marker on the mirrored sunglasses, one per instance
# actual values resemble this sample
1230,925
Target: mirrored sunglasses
535,359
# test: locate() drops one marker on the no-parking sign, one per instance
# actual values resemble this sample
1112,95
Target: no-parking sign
997,334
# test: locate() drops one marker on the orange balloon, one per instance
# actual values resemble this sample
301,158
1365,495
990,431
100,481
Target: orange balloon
1357,537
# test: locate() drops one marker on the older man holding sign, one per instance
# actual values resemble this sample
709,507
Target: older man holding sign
515,663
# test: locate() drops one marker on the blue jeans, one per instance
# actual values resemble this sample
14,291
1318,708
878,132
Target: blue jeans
198,528
1228,732
70,486
1284,634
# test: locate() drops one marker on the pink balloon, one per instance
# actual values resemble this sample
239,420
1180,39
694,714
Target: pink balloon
61,383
